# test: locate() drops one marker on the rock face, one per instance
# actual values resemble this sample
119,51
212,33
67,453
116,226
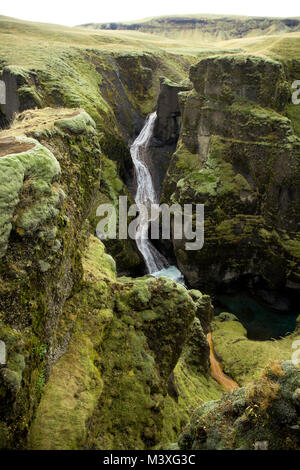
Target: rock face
168,122
166,129
140,327
242,161
43,209
88,354
263,416
21,92
251,78
40,167
118,91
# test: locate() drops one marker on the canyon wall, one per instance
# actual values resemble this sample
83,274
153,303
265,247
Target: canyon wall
238,154
90,356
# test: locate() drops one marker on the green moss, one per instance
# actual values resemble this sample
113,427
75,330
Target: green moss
127,337
293,113
75,383
141,293
79,124
36,169
260,416
30,94
213,178
98,263
187,161
292,246
193,389
244,359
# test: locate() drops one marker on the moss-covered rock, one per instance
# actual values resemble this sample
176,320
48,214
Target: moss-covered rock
21,90
34,173
264,415
254,78
46,196
239,158
116,379
242,358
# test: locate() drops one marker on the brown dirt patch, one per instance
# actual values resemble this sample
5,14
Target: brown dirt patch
11,145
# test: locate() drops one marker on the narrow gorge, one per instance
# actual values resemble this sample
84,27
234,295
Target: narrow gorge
141,344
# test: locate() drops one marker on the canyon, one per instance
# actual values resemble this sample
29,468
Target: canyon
113,344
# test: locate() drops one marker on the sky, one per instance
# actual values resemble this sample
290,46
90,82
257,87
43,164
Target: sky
72,13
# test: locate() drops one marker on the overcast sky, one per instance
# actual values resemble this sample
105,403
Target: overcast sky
75,12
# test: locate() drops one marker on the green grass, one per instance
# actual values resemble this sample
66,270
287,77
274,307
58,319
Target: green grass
201,27
37,45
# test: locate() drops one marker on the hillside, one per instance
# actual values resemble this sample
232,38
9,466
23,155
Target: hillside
205,27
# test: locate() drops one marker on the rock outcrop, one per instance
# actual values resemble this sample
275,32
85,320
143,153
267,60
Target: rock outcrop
89,355
225,78
241,159
167,125
166,129
263,416
45,198
127,339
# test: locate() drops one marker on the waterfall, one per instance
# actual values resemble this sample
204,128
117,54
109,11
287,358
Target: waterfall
145,196
156,264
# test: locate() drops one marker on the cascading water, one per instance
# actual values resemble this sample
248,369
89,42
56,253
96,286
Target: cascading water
156,264
145,196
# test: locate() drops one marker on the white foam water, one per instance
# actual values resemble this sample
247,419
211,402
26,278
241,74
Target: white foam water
145,196
156,263
172,272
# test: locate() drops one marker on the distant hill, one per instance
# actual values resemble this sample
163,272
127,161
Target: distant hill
206,26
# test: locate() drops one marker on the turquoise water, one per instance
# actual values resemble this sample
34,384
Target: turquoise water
261,321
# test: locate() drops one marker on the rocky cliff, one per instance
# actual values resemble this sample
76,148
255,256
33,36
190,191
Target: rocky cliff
90,356
238,154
